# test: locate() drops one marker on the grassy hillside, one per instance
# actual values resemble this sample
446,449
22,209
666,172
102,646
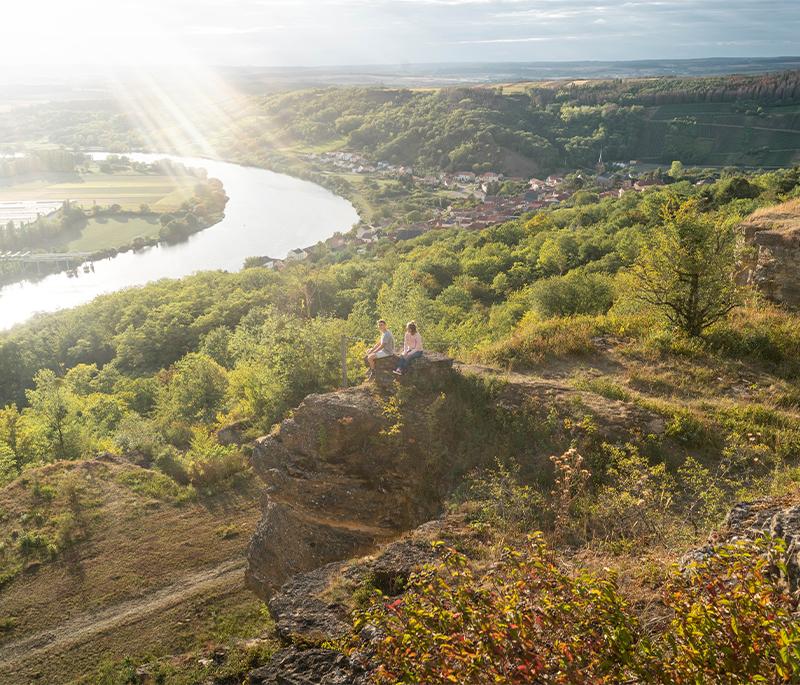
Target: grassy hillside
102,559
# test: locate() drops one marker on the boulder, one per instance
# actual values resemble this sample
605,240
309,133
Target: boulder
775,517
431,366
293,666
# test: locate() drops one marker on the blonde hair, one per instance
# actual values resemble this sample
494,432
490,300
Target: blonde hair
411,326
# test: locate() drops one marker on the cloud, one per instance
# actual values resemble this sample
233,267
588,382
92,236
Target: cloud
231,30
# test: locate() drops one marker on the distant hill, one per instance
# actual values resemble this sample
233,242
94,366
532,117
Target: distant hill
451,74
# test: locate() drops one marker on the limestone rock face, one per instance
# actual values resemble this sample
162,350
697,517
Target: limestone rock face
432,365
749,520
316,606
333,492
772,262
293,666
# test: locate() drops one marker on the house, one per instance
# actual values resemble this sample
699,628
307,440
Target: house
490,177
297,255
604,181
465,177
554,180
537,184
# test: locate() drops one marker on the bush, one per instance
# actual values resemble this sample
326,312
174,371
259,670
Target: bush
504,503
535,341
524,621
578,292
135,434
734,620
207,462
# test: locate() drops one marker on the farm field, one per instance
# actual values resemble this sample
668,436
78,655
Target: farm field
108,232
162,193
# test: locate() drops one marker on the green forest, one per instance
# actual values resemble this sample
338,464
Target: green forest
217,347
517,130
544,127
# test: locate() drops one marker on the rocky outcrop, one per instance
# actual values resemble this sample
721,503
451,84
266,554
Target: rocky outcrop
775,517
334,488
349,473
614,420
772,262
316,607
343,476
317,666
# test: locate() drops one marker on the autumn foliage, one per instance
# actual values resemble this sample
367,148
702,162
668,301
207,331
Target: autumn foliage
525,620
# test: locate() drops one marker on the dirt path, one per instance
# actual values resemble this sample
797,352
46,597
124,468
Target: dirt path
83,627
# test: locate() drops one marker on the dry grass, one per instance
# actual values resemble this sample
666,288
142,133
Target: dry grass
138,540
782,217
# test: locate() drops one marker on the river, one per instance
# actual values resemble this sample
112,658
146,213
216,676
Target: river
267,214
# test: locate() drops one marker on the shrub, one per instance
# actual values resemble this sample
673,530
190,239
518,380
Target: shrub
634,499
135,434
578,292
535,341
207,462
503,503
169,462
734,620
524,621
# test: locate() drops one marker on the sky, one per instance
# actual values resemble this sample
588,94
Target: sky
357,32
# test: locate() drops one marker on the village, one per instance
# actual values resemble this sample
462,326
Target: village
479,199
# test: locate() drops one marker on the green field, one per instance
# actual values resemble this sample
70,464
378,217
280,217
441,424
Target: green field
107,232
130,191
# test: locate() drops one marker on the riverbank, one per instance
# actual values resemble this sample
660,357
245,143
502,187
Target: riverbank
267,214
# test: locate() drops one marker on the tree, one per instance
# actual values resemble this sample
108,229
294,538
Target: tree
9,433
53,403
676,170
197,388
687,268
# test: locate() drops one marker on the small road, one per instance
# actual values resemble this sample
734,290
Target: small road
754,128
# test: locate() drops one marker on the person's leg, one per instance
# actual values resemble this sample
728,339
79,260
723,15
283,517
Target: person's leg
413,357
371,360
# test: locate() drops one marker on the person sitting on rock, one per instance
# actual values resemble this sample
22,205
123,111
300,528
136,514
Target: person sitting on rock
412,348
383,348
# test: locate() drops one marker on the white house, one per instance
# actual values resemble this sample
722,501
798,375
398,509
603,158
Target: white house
296,255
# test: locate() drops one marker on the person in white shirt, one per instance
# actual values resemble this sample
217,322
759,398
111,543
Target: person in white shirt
383,348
